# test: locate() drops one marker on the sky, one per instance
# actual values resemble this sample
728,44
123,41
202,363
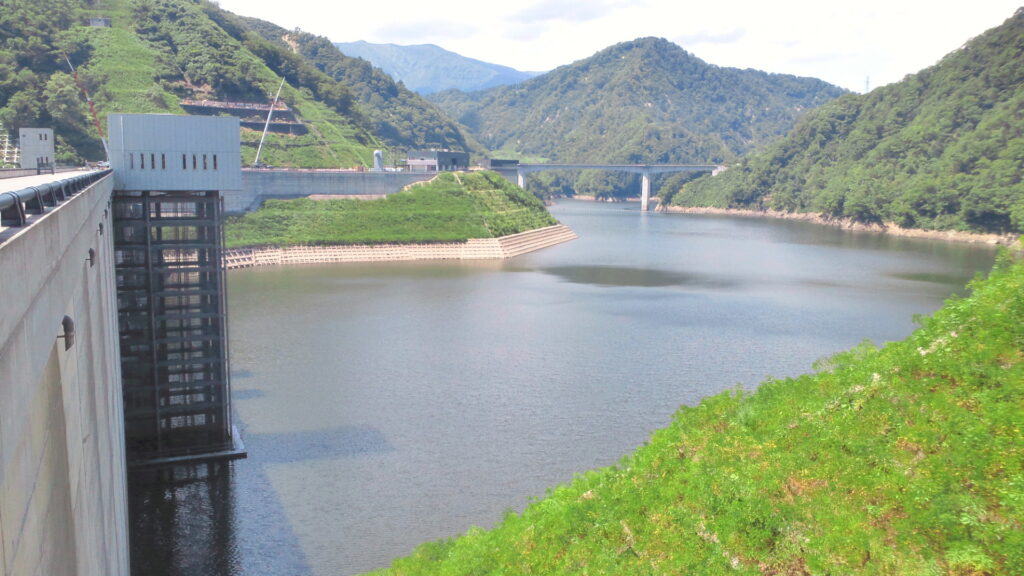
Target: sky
855,44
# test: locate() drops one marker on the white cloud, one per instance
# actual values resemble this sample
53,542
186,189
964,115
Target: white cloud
426,31
842,43
707,37
566,11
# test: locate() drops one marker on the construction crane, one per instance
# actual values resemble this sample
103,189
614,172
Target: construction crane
256,161
92,108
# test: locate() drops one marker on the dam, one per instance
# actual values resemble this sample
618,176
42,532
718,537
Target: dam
114,332
62,460
113,337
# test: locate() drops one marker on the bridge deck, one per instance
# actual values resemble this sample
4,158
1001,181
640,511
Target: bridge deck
21,182
632,168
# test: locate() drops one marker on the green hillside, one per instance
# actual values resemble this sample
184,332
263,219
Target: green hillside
907,459
942,149
399,117
642,101
158,52
450,208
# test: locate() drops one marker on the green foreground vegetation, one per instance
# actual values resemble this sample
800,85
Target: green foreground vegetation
450,208
908,459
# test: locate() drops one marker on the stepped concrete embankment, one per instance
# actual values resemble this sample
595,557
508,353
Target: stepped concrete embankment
473,249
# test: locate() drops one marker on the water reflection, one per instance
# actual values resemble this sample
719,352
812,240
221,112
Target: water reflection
340,442
625,276
183,520
194,520
932,277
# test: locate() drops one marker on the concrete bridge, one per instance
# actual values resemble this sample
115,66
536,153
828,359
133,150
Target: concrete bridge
645,171
259,185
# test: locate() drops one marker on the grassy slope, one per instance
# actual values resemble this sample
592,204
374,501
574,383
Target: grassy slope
452,208
903,460
125,69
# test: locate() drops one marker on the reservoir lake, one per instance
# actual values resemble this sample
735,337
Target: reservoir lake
385,405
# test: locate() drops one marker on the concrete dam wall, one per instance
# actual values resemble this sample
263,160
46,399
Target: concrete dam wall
260,185
63,504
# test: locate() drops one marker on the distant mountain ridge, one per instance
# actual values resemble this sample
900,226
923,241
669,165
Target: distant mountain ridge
426,68
647,100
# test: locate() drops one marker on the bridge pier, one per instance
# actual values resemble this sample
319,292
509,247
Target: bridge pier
646,171
645,190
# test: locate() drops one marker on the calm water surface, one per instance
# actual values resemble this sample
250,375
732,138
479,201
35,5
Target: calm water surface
390,404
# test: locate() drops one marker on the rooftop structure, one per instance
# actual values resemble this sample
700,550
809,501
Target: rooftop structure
498,163
37,147
437,160
167,152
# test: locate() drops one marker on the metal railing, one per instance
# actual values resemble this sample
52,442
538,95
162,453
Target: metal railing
15,207
22,172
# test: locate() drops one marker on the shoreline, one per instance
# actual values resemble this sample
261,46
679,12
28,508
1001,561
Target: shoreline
473,249
890,228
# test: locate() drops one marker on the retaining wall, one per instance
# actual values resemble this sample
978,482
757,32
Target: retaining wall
472,249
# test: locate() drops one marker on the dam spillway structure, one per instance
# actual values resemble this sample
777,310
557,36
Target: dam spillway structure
170,282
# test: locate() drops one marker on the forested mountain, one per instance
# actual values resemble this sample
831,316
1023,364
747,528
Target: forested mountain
642,101
158,52
942,149
426,68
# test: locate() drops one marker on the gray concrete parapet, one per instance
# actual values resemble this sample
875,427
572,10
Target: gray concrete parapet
63,503
259,185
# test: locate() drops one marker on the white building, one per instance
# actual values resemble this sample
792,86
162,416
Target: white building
167,152
37,148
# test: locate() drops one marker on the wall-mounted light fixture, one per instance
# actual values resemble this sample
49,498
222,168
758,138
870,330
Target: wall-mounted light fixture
69,332
92,258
